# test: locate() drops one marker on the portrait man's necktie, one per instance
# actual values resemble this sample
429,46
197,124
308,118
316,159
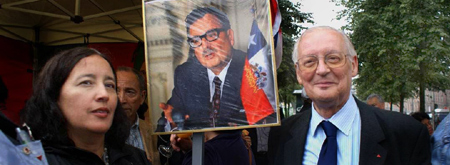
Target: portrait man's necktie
328,153
216,101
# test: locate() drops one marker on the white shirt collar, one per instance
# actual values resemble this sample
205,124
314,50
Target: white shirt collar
136,123
343,119
221,75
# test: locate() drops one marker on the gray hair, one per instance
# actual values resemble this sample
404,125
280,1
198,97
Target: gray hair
138,75
380,99
350,48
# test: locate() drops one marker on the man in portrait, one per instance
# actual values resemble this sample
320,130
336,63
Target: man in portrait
207,85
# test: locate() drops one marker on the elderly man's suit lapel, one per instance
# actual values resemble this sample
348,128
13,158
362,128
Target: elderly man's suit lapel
372,135
294,147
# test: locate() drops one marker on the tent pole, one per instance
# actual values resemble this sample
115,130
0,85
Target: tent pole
91,35
37,12
112,12
129,31
15,35
61,8
18,3
79,33
115,20
77,7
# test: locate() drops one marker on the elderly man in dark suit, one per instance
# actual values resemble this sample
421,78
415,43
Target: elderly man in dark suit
207,85
338,128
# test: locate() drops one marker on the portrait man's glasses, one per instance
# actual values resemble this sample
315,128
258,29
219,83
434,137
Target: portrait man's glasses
309,63
210,35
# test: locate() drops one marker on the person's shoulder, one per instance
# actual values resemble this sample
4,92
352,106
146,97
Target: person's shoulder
239,55
188,69
443,129
129,154
187,65
288,123
440,142
128,149
238,52
58,154
396,118
299,116
143,124
145,129
392,121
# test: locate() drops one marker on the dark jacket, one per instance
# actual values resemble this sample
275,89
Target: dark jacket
227,148
386,138
8,128
128,155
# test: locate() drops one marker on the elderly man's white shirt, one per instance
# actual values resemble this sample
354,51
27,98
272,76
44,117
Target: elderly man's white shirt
348,122
221,76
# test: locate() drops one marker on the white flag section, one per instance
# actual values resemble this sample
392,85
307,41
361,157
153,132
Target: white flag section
276,29
259,55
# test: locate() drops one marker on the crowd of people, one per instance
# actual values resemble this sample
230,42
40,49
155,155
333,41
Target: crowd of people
84,111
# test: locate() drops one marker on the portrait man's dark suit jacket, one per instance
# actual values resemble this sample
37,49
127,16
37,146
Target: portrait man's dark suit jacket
386,138
191,95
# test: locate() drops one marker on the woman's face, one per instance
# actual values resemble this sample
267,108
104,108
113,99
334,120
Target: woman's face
88,98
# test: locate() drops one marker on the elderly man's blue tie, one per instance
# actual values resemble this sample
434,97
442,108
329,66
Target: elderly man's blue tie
328,153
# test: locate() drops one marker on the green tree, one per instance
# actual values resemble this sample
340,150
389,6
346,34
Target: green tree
291,28
402,47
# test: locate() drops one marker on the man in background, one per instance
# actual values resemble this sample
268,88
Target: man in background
375,100
423,118
131,91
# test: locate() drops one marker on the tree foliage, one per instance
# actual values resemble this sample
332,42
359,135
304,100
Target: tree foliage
402,46
291,28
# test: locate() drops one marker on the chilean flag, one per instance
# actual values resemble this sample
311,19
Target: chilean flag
257,89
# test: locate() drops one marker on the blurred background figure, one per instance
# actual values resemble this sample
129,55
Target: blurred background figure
75,111
440,143
132,91
12,146
424,119
375,100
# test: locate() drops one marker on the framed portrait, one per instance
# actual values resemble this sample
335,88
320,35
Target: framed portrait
210,65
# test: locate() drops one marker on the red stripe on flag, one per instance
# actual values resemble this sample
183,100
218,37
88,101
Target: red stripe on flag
254,100
273,9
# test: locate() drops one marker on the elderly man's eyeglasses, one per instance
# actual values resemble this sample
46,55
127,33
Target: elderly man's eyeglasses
310,63
210,35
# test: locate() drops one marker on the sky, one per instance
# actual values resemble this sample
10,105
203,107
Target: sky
324,12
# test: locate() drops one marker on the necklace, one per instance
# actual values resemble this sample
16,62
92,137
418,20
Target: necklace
105,156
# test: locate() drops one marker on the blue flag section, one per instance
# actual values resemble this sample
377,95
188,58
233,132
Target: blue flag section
256,41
